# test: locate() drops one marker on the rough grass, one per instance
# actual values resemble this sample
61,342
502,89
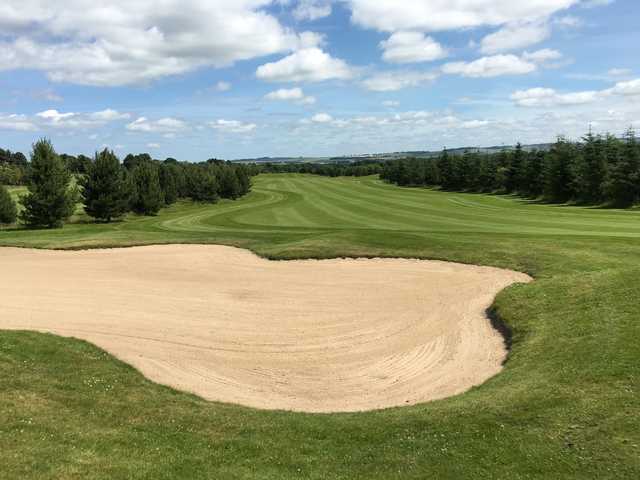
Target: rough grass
566,405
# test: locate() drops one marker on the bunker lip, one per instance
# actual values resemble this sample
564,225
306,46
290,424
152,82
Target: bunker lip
338,335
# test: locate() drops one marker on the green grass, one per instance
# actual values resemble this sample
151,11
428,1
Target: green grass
567,404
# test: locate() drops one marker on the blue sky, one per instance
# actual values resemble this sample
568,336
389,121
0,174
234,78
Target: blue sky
195,79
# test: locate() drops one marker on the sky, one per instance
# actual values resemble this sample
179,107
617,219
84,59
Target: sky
196,79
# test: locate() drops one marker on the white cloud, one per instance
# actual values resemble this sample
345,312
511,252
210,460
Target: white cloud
474,124
16,122
305,65
322,118
411,47
56,119
223,86
153,145
515,36
390,103
619,72
109,115
393,81
568,21
124,42
291,94
548,97
627,89
438,15
542,56
312,9
490,66
163,125
232,126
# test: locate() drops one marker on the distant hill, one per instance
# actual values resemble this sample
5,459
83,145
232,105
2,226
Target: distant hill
392,155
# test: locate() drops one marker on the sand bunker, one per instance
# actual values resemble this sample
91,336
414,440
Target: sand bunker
314,336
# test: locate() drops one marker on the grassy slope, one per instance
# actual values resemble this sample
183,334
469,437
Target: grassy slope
566,405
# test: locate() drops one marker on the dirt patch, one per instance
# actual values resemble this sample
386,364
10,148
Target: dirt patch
310,335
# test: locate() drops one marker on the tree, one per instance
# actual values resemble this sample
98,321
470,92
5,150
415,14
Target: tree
229,186
51,200
590,170
106,188
8,212
202,184
168,183
148,197
558,171
621,186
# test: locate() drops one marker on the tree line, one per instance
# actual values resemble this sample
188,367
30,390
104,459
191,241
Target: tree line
360,168
109,189
601,169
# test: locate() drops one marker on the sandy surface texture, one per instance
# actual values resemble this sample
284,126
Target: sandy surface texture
314,336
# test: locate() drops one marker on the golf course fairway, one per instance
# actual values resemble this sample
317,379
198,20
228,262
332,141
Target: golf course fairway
565,405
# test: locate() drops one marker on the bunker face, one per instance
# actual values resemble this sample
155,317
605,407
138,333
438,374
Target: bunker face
315,336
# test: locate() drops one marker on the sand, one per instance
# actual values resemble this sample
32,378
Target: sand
313,335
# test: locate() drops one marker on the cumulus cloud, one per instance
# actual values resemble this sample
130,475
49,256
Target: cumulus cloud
305,65
322,118
163,125
232,126
312,9
548,97
542,56
291,94
16,122
71,120
492,66
438,15
393,81
514,36
127,42
411,47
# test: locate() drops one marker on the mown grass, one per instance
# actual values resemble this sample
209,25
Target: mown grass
566,405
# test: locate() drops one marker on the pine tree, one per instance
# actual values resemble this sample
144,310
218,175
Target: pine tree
515,173
558,175
168,183
8,212
106,188
590,170
621,186
202,184
148,197
50,200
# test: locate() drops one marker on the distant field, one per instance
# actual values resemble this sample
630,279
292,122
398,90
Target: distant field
565,406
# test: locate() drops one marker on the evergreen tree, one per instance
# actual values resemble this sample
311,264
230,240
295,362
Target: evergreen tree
50,200
168,183
621,186
202,184
106,188
515,174
229,186
590,170
148,197
558,176
445,167
535,174
8,212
